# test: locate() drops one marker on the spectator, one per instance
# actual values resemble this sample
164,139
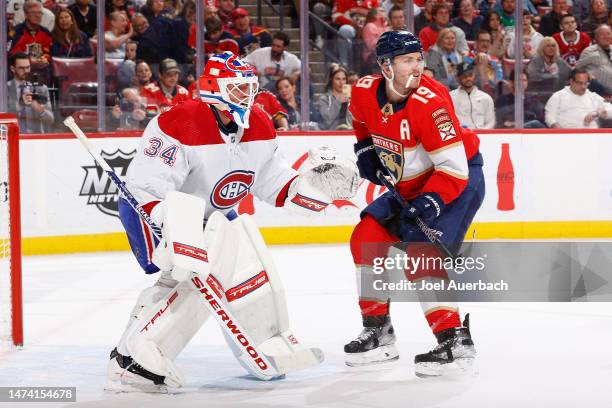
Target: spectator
531,39
547,71
580,10
598,15
473,107
161,40
269,103
144,76
388,5
506,13
85,16
352,77
275,62
535,22
115,39
571,42
492,24
32,38
349,16
224,12
425,18
152,10
127,68
429,72
444,57
467,20
485,7
374,27
27,99
397,20
441,17
551,21
595,59
533,109
322,9
285,89
130,111
249,37
182,27
216,39
68,40
167,92
333,105
487,67
575,106
172,8
115,5
47,19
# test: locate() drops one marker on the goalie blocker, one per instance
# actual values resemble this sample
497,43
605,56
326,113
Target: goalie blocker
229,268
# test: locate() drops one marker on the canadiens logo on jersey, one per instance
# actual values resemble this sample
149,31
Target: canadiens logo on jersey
98,188
232,188
391,154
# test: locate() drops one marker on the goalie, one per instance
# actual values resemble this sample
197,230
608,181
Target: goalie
194,164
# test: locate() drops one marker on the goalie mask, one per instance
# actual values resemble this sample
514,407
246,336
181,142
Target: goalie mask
230,84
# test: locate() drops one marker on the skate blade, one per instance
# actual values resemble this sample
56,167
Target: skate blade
379,355
119,387
461,366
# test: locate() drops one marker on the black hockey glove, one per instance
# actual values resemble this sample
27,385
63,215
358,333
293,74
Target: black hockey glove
368,161
427,206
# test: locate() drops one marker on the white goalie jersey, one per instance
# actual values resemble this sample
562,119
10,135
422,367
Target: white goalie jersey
183,149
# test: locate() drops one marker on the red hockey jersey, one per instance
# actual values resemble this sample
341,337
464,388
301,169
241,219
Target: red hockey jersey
154,94
420,142
570,50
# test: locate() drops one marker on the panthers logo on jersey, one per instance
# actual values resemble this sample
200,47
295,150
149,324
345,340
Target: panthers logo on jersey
391,154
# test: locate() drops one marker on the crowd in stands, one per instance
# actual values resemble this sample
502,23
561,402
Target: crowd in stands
469,46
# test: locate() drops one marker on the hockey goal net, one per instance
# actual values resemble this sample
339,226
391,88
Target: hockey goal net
11,323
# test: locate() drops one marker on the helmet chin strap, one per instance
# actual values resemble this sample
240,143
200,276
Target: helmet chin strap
390,81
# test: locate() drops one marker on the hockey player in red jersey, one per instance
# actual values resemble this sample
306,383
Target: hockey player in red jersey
415,139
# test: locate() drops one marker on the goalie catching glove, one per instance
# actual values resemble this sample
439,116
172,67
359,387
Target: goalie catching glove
325,176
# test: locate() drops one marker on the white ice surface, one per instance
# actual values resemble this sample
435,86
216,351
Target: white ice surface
530,355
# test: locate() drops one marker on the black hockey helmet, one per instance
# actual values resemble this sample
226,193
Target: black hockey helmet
393,43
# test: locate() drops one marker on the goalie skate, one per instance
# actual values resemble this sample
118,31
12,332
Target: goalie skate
125,375
375,344
455,348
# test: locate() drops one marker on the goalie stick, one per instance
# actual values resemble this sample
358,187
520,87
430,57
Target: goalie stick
264,367
430,233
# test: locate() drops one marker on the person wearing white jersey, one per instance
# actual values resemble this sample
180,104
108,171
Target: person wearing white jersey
575,106
218,149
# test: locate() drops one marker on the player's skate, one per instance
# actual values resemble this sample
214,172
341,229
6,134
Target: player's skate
375,343
455,345
125,375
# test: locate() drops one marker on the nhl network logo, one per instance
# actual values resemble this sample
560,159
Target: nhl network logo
98,187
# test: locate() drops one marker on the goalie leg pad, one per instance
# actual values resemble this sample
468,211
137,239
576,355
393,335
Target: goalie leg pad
258,302
162,330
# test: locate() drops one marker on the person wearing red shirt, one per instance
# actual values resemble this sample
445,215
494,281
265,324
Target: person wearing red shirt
168,92
571,41
350,16
268,103
216,39
31,38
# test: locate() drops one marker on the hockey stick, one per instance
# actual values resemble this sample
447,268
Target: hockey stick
430,233
263,366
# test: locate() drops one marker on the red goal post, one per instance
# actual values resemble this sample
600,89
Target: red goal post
11,304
